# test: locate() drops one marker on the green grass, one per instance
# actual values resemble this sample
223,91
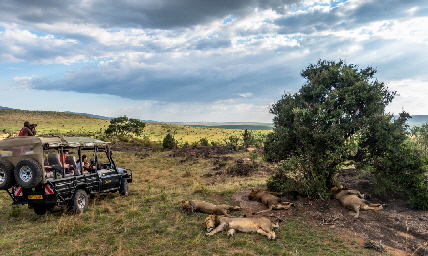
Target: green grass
50,122
148,221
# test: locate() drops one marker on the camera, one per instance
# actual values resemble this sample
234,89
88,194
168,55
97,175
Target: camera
33,128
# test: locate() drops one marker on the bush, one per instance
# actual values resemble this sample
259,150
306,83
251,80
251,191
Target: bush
204,142
169,142
298,174
145,142
232,142
403,171
420,135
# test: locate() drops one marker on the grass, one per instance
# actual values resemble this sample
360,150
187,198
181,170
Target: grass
50,122
148,221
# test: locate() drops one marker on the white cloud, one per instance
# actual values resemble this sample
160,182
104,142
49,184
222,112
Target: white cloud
181,60
411,96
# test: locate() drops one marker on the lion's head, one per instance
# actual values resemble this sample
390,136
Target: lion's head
254,194
210,222
187,206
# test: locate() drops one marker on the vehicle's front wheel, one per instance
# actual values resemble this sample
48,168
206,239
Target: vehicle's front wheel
28,173
123,190
79,202
6,174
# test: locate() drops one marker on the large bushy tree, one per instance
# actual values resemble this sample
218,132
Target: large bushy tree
337,115
124,126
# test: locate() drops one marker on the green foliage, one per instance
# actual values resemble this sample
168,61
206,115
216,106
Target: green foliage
420,133
232,142
402,170
169,142
124,126
293,175
316,124
248,138
204,142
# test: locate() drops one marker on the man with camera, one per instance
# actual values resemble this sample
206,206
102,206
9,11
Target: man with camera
28,130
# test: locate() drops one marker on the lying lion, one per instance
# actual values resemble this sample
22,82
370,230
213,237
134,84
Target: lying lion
261,225
271,201
204,207
354,200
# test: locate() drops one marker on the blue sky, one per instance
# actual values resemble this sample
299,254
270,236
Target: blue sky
201,60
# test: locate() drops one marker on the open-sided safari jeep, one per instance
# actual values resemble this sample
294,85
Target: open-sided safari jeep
32,173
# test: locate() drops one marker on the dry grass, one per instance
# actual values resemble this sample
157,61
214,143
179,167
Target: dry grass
50,122
148,221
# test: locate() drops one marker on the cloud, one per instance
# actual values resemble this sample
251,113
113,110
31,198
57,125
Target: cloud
203,57
160,14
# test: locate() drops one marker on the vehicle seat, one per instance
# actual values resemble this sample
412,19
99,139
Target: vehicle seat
71,160
53,159
45,160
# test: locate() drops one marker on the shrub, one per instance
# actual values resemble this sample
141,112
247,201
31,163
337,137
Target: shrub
402,171
204,142
169,142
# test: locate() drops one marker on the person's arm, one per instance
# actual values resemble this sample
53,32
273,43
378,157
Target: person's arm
29,132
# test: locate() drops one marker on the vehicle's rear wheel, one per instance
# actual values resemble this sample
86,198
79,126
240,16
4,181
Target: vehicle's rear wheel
79,202
123,190
6,174
40,209
28,173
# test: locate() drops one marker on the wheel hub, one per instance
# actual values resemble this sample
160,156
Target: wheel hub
2,176
81,201
25,174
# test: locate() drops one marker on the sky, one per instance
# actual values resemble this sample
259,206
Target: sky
201,60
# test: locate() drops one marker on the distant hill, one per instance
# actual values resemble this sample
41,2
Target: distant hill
86,114
229,125
418,120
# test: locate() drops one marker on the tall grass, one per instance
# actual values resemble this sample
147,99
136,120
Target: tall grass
148,221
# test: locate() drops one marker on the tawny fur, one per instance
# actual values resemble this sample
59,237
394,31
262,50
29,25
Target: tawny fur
271,201
354,200
261,225
205,207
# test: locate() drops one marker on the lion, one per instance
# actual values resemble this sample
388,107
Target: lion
192,206
354,200
271,201
261,225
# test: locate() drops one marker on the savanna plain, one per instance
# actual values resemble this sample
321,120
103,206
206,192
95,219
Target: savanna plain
148,221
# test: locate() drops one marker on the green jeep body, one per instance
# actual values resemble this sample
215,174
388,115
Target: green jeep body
29,178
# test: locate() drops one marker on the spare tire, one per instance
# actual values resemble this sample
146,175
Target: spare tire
6,174
28,173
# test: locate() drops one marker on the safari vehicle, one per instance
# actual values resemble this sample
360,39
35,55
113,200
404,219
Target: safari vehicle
32,173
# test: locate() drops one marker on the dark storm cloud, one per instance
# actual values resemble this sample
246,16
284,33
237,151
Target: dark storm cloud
207,85
159,14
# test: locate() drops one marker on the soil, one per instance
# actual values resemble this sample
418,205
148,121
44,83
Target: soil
399,229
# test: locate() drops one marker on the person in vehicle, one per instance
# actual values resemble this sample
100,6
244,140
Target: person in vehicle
84,164
69,169
28,130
